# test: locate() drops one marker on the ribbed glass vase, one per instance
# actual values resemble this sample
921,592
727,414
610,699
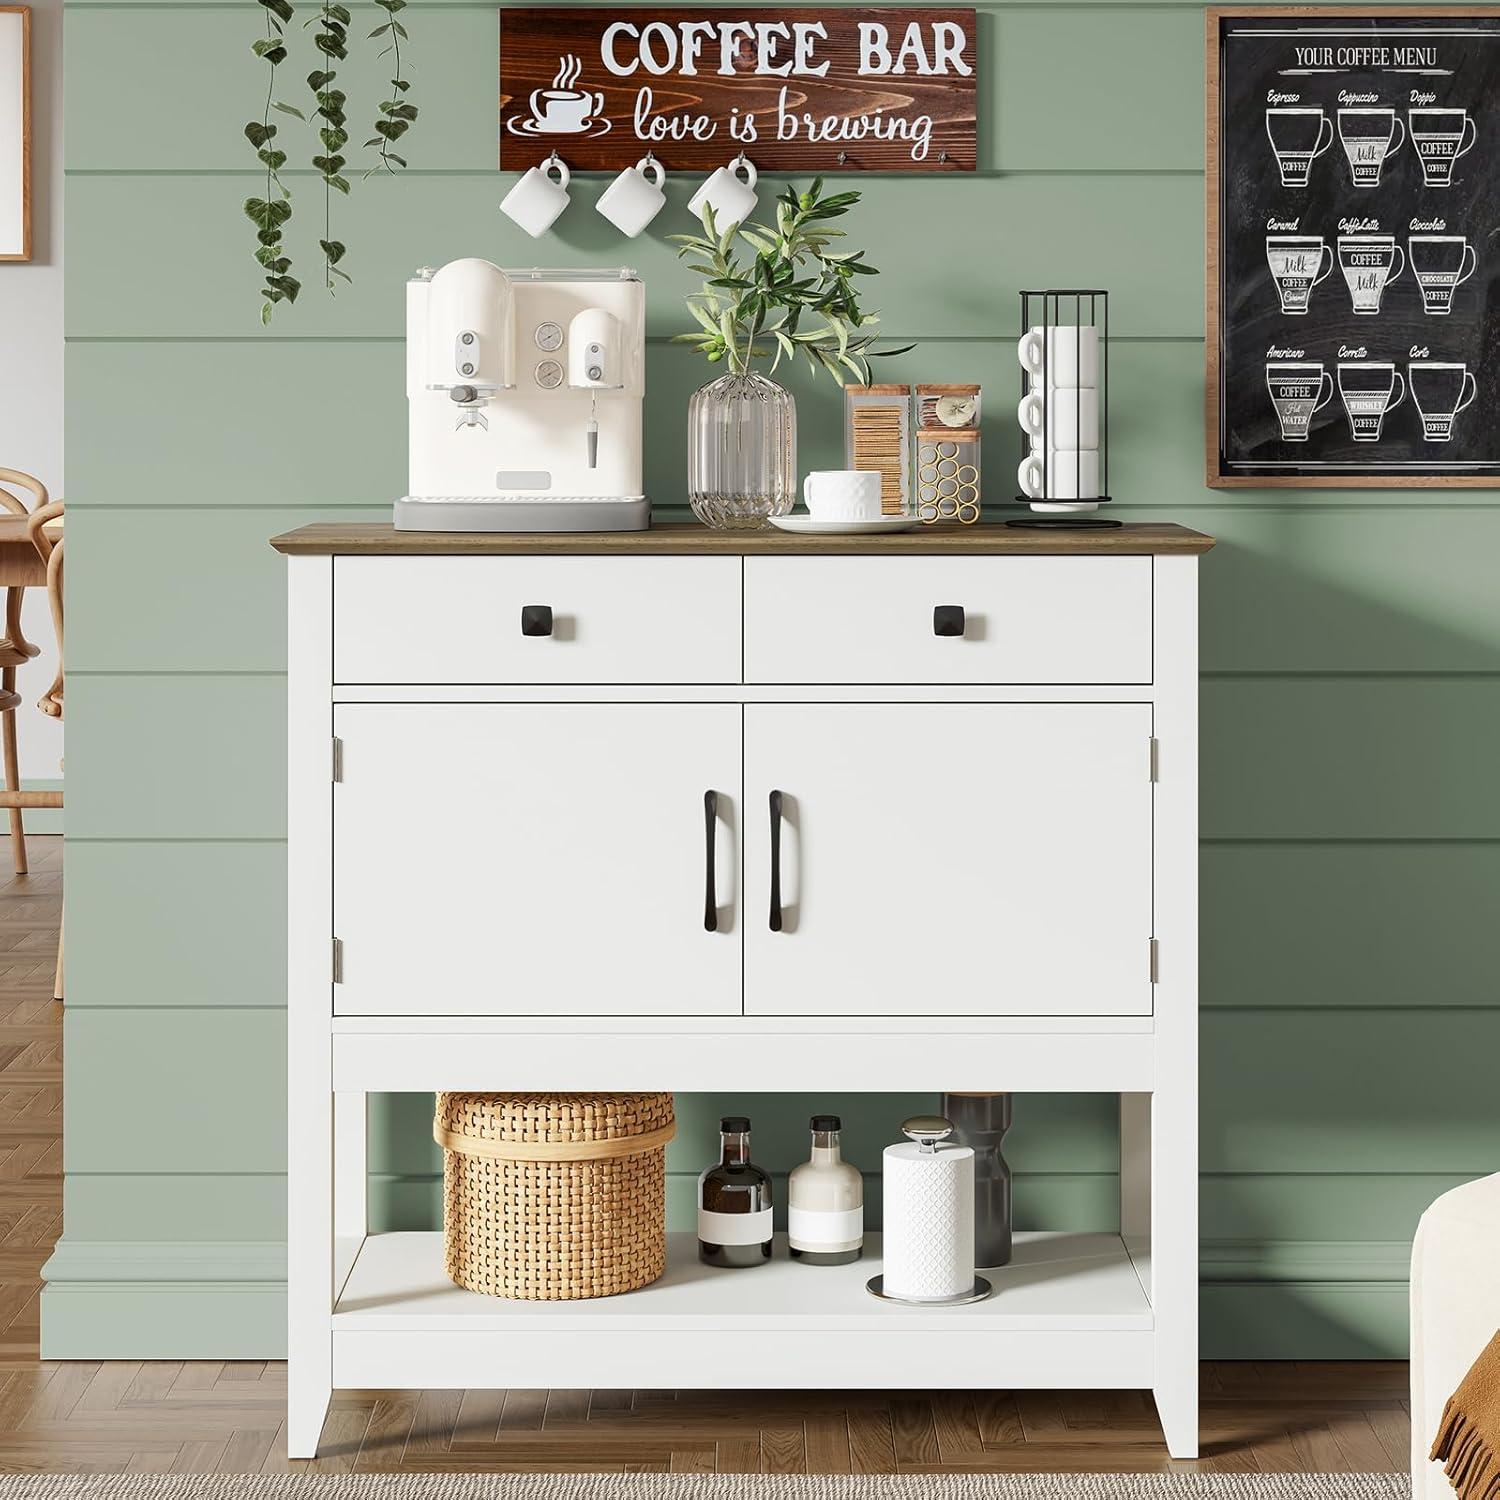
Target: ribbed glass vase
742,451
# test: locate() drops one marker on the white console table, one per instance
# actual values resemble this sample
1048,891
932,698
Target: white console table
505,873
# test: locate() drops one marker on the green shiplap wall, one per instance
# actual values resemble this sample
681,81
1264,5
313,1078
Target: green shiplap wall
1350,646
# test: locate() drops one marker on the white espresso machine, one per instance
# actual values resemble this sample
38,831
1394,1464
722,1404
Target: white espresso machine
524,391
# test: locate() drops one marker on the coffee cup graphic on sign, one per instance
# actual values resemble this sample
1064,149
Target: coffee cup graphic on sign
564,109
1441,263
1369,136
1440,391
1440,137
1298,390
1370,262
1370,388
1298,263
1298,137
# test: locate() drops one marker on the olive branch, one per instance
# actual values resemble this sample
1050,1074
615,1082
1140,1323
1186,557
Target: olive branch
796,294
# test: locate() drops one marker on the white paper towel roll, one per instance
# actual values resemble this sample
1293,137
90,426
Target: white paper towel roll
929,1221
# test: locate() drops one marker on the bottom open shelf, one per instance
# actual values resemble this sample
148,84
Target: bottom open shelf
1070,1310
1055,1281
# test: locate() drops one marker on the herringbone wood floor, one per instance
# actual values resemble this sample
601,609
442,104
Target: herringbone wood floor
227,1417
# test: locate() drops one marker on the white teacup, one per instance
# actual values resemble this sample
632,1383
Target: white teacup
732,201
565,111
536,201
635,197
1063,417
1072,354
842,494
1068,474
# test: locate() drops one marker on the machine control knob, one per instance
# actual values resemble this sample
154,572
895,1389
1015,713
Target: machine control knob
549,337
948,619
595,373
536,619
463,394
549,374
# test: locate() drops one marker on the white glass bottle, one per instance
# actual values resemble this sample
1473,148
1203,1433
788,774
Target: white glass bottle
826,1202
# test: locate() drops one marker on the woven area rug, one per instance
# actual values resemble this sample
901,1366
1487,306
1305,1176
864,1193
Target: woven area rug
712,1487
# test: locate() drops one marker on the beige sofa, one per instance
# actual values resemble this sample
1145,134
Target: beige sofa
1455,1311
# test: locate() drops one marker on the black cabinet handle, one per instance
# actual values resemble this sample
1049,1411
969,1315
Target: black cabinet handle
775,861
710,894
536,619
948,619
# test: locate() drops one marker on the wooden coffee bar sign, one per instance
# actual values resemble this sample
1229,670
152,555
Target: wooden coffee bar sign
794,90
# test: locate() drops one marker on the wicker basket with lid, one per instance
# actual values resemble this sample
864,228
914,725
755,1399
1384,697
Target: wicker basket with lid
548,1197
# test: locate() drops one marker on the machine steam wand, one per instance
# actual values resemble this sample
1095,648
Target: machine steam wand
593,430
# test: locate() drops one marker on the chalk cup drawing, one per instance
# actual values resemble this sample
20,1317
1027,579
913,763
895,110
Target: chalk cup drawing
1441,263
564,109
1299,390
1369,389
1440,137
1298,263
1370,263
1440,391
1369,137
1298,137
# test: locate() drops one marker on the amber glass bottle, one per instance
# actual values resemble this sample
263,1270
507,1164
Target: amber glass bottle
734,1202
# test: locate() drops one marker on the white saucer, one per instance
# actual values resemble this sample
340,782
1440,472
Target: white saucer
534,129
816,527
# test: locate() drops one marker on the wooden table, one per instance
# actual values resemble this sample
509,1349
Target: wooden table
21,567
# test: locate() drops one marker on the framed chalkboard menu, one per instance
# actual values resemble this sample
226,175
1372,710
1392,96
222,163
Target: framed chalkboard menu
1353,329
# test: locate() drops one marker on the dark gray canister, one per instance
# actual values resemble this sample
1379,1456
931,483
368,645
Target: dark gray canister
980,1121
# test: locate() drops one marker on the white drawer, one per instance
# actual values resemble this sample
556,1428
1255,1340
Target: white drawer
871,619
614,619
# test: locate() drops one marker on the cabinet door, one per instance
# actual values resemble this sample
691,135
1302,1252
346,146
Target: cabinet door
949,859
536,859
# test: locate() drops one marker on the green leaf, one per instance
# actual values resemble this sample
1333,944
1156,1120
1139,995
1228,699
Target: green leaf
332,250
381,30
317,81
288,286
887,353
269,47
346,276
399,160
288,109
275,160
265,314
702,316
258,134
338,13
400,83
403,112
341,183
400,31
278,8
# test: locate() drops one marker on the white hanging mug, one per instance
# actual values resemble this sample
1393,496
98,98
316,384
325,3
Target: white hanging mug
536,201
732,201
635,197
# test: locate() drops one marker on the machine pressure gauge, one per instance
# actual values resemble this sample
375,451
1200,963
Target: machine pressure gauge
549,337
549,374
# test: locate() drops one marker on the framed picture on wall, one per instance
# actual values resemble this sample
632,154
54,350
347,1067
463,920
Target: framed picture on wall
15,132
1353,256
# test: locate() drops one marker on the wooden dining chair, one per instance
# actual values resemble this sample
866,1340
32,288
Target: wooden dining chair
49,548
15,651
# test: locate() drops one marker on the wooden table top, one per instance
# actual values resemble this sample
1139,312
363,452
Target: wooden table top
20,566
381,539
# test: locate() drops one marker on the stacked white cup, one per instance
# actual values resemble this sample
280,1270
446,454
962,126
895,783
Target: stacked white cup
1060,414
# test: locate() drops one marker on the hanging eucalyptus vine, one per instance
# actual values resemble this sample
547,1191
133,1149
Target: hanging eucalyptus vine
396,115
332,40
271,213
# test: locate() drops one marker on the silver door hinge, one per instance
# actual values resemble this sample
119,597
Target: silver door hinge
1154,963
1155,758
338,960
338,759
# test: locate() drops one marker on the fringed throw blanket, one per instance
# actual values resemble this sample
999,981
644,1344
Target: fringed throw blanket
1468,1440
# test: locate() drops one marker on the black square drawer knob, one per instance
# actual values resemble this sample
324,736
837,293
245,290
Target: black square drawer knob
536,619
948,619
